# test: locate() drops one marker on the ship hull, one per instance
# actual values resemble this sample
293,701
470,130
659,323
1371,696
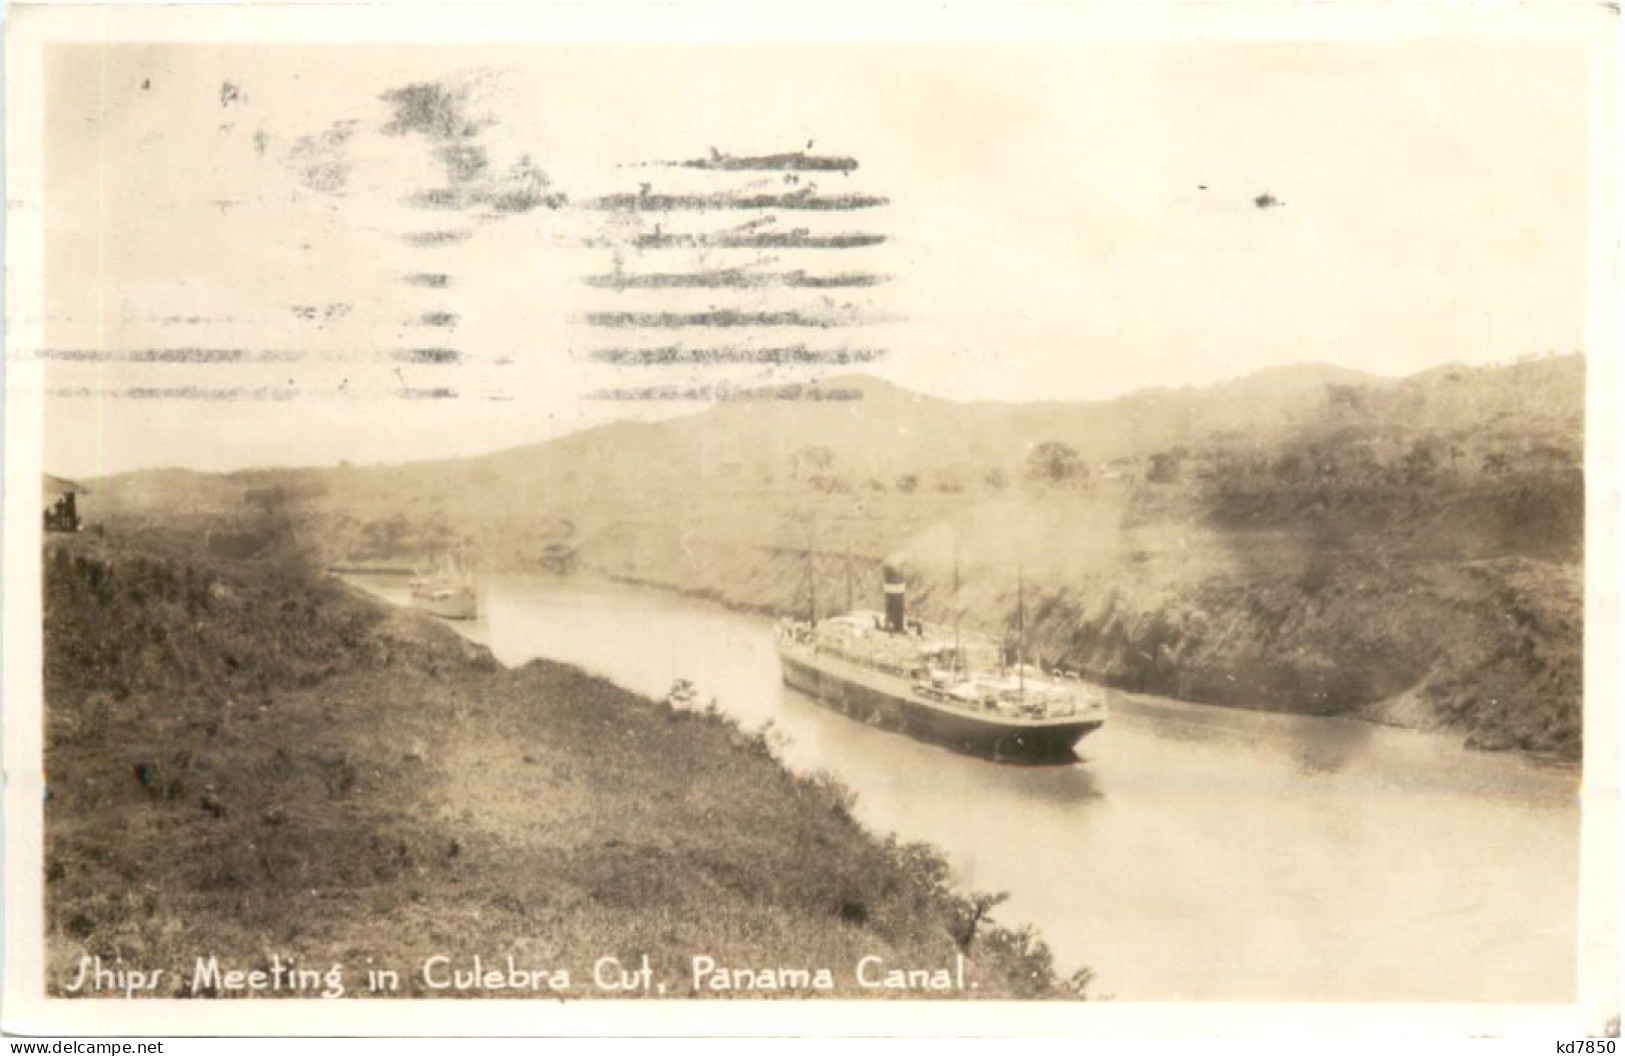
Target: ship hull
889,702
458,605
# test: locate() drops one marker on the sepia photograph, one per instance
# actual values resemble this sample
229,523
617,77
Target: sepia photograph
1056,519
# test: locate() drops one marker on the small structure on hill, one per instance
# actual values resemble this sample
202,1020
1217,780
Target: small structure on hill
61,504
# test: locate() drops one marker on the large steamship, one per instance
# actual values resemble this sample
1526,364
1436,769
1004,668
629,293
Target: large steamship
446,591
935,684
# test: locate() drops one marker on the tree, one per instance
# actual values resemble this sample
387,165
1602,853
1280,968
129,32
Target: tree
1289,467
811,460
1056,464
1362,465
1421,462
1345,397
1549,457
997,479
1164,467
907,483
971,912
266,499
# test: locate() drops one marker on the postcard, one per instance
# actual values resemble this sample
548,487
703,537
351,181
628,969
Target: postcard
696,519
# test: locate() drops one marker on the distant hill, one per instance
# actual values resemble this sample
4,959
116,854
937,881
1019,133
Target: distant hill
1307,538
891,432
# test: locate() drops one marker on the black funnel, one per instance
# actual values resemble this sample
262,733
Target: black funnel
892,583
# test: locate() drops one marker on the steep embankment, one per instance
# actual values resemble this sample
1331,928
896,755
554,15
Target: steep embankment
250,763
1403,629
1306,539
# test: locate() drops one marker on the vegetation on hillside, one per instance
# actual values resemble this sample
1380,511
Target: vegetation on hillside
1310,539
249,762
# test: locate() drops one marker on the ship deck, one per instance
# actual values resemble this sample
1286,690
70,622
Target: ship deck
902,689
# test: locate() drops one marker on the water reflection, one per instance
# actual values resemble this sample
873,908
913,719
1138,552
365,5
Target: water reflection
1062,785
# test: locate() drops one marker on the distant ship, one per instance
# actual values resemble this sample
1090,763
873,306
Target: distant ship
447,591
931,683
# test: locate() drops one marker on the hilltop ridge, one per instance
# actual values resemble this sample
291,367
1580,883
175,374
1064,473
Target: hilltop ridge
1307,538
895,428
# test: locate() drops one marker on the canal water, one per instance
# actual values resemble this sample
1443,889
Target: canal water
1193,852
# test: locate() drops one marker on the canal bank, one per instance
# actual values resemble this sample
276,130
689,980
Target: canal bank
1488,649
337,782
1196,852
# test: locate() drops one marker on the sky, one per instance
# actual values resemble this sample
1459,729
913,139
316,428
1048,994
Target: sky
237,237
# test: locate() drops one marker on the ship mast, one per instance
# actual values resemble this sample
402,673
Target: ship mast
849,602
957,662
812,584
1021,631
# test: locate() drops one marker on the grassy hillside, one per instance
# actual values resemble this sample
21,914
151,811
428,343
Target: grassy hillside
249,761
